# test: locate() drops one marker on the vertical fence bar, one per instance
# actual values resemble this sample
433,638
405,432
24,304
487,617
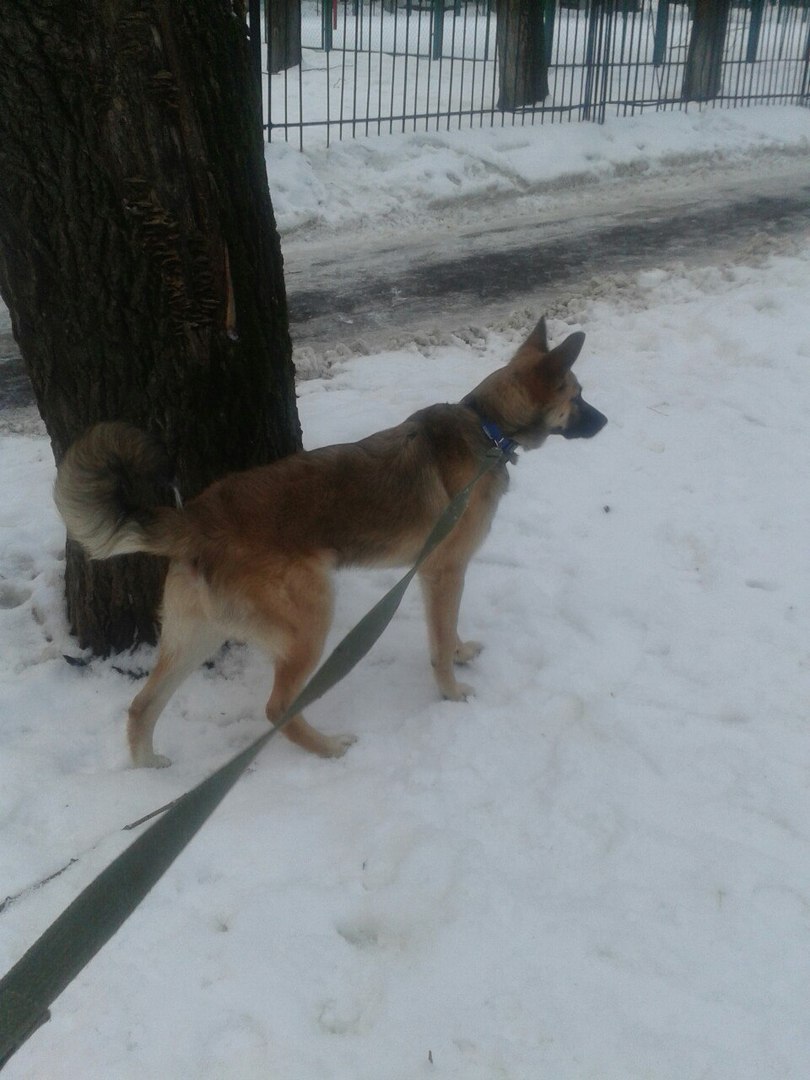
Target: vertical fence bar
634,69
608,13
741,59
454,28
418,65
327,23
474,64
343,54
781,17
381,67
300,93
255,33
487,32
438,20
590,61
464,61
494,94
583,67
625,50
369,65
284,107
327,95
407,58
358,32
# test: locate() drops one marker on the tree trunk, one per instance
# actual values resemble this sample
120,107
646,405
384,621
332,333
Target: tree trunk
704,59
139,256
284,34
521,50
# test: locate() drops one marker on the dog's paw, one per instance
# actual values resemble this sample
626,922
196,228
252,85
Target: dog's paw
467,651
335,746
460,692
151,760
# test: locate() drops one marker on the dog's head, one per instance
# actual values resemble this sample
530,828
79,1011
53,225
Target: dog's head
536,394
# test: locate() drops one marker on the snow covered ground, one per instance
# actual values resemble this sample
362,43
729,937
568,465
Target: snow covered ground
599,867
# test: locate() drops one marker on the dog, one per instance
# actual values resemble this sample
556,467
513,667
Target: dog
252,557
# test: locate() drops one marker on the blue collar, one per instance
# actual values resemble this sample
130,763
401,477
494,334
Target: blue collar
500,441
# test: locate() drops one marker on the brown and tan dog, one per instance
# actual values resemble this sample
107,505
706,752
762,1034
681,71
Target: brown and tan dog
252,556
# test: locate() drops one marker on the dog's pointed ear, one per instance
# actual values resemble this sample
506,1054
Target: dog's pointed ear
566,353
538,337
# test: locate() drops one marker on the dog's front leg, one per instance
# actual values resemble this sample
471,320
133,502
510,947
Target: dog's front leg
442,587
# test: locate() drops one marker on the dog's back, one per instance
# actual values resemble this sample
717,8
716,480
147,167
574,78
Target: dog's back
367,503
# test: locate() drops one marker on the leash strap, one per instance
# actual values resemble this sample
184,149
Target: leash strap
89,922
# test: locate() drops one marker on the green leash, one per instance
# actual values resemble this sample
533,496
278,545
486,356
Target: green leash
89,922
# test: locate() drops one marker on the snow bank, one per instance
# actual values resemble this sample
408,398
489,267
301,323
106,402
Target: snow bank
395,180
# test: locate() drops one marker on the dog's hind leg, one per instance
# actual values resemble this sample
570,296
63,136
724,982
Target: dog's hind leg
291,675
188,638
298,616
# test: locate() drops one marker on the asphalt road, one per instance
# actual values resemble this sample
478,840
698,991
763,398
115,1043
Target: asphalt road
382,292
366,293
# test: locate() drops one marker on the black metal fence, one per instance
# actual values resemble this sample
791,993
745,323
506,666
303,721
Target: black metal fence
347,68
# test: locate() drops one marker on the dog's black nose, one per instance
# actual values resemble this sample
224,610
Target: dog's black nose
586,423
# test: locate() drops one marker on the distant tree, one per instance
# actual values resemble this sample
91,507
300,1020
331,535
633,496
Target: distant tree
704,58
521,50
139,256
284,33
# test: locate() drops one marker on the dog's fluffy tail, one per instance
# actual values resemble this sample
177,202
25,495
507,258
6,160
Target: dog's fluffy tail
108,488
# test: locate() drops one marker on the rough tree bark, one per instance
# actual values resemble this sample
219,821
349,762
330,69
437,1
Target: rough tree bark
139,256
521,49
704,58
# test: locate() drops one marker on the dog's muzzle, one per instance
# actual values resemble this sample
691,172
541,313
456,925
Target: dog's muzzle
585,422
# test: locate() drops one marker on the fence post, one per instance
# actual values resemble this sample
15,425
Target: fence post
590,53
608,18
326,24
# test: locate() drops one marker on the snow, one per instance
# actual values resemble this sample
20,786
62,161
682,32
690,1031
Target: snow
395,181
599,867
